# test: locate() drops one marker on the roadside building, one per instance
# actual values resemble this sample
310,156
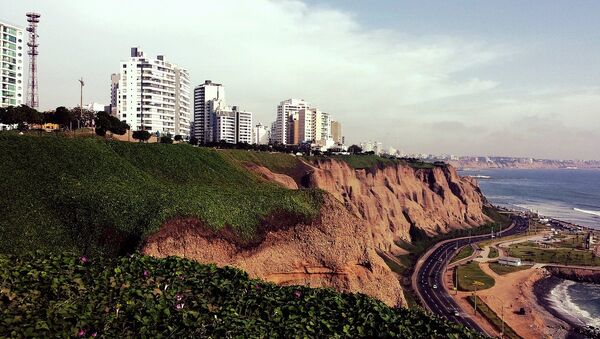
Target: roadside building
511,261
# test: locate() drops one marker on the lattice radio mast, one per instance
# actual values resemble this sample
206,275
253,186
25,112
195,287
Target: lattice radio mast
32,86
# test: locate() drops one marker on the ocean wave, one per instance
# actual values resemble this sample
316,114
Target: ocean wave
596,213
563,302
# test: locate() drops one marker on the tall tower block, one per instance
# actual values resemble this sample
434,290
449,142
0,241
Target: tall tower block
32,86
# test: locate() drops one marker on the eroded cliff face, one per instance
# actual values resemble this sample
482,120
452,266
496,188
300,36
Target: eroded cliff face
366,211
335,250
394,198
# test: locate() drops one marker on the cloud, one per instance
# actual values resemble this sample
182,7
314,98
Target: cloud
381,84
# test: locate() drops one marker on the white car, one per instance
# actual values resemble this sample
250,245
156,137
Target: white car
434,286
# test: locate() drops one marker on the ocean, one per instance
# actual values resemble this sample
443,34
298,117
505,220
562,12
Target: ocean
579,302
569,195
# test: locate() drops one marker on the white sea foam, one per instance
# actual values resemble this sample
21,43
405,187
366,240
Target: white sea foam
596,213
562,302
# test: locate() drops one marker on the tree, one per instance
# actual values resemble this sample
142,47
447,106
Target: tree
10,116
141,135
63,116
29,115
194,141
105,122
354,149
22,115
166,140
178,137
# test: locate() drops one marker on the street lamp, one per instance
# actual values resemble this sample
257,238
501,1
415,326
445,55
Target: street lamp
80,102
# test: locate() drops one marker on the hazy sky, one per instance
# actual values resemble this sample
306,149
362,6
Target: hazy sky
517,78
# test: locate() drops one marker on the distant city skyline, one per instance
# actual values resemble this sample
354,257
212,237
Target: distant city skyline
467,78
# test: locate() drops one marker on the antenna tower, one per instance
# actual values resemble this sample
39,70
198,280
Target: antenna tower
32,86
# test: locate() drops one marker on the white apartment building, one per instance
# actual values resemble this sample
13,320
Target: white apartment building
203,95
261,134
154,95
372,146
244,125
12,56
230,124
314,126
285,109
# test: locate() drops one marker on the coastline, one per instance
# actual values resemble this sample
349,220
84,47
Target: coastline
542,290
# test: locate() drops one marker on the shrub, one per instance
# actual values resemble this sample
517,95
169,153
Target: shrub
141,135
138,296
166,140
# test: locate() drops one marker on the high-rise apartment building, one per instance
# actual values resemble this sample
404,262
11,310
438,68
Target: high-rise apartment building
314,126
261,134
203,95
336,132
285,109
154,95
231,125
114,93
11,63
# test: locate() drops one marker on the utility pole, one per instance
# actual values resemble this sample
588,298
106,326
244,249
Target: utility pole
456,280
80,103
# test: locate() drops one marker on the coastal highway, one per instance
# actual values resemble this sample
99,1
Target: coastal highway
428,278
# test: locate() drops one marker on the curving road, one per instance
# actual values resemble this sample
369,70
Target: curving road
428,277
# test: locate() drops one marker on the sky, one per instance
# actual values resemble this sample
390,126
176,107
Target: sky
497,78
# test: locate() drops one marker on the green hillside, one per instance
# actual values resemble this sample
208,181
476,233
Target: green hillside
66,296
89,195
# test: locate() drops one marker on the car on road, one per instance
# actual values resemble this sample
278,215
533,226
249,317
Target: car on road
434,285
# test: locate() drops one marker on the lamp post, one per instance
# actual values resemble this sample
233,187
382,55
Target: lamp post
476,284
80,102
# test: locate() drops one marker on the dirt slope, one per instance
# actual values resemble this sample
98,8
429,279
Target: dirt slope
336,250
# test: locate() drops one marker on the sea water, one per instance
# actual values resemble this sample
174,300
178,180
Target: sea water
577,301
569,195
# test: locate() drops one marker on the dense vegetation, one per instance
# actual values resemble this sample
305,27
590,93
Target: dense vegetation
89,195
137,296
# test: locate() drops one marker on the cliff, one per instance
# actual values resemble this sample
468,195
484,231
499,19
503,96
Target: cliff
591,275
335,250
393,199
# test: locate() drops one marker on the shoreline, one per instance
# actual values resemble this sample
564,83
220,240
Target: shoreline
542,290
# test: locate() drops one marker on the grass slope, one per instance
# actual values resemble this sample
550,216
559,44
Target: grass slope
66,296
88,195
471,277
